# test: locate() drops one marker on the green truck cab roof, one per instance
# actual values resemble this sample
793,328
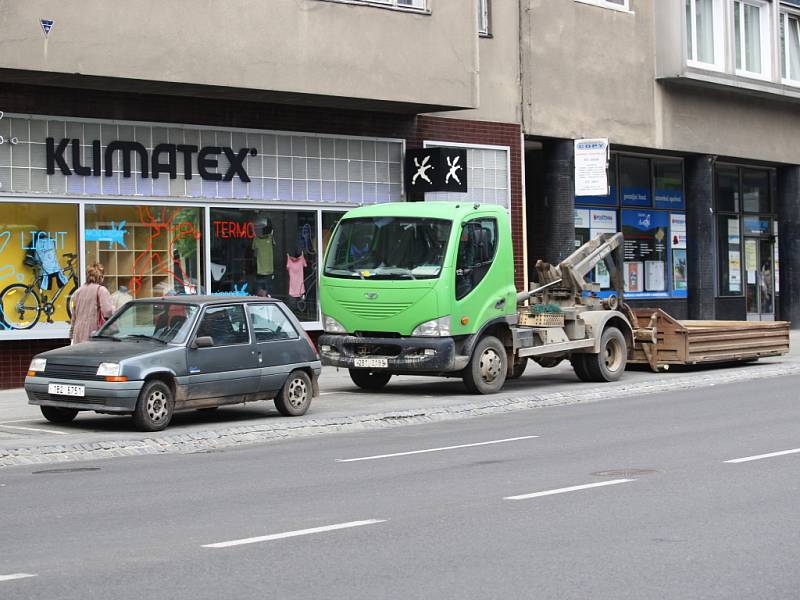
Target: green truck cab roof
451,211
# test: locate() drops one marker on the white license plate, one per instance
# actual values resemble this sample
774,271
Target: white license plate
62,389
372,363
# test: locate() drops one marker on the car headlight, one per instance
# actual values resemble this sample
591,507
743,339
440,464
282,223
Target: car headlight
38,364
436,328
108,370
331,325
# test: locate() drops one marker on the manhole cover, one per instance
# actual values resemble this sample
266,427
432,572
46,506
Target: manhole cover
74,470
624,472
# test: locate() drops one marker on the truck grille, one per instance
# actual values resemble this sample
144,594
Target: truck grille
372,349
84,372
371,310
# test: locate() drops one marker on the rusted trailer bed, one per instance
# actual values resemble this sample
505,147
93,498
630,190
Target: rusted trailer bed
662,341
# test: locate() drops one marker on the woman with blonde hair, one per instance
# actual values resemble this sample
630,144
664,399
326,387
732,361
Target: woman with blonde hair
92,307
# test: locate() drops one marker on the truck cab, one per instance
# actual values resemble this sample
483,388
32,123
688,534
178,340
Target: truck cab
410,288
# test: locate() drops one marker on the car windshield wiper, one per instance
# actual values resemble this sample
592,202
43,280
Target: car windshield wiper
141,336
106,337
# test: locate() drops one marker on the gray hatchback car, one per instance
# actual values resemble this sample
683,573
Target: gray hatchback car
157,356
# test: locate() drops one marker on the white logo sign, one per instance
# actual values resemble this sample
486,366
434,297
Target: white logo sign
454,168
422,170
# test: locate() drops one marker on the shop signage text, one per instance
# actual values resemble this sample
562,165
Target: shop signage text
234,229
164,159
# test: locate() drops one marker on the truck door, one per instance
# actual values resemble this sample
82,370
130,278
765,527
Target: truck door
473,282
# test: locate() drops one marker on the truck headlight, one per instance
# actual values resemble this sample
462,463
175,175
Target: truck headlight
436,328
331,325
108,370
38,365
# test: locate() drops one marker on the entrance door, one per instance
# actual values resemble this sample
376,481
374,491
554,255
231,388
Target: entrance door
760,278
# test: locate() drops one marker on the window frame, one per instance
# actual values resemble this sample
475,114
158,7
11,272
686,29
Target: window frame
785,13
392,4
765,22
718,33
463,225
251,306
214,306
624,7
485,18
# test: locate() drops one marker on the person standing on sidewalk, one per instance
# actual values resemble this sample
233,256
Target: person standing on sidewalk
92,305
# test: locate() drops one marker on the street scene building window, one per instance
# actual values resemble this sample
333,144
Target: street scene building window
416,4
615,4
752,38
704,33
483,17
790,47
487,174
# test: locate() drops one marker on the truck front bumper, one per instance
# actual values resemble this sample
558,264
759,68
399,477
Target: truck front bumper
404,355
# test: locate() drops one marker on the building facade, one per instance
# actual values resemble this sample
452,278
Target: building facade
214,151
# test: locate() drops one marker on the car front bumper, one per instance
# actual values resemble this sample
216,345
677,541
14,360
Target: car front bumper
100,396
404,355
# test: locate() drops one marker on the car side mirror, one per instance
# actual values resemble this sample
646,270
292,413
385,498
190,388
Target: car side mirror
204,341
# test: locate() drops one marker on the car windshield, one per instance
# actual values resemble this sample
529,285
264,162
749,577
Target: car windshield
388,248
167,322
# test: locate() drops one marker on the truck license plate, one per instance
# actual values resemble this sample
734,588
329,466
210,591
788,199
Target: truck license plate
62,389
372,363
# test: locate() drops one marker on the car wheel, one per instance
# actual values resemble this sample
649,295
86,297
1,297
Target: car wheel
486,371
609,363
295,396
57,414
155,406
370,380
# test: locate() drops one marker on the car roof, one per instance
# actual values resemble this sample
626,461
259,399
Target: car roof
207,299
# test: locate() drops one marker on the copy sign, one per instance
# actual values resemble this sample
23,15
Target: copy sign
591,167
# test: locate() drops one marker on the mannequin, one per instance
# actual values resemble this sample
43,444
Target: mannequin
264,248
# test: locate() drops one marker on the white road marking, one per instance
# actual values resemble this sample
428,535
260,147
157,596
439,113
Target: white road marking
33,429
574,488
28,420
328,393
527,437
16,576
760,456
288,534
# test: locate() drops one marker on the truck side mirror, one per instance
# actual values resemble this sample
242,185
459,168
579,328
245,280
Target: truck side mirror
204,341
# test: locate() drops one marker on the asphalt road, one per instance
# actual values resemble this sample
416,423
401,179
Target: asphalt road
629,498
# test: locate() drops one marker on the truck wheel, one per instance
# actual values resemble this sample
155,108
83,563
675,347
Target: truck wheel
520,364
57,414
155,406
578,362
295,396
370,380
486,371
609,363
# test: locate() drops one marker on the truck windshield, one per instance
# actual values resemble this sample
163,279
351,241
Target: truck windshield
388,248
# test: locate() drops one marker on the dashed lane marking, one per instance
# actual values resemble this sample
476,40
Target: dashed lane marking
573,488
377,456
288,534
33,429
13,576
760,456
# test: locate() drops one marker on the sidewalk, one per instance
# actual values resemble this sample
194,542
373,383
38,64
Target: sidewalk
27,438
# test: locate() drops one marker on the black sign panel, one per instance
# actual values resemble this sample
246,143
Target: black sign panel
436,170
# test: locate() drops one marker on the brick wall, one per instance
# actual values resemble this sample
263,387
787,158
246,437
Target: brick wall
15,357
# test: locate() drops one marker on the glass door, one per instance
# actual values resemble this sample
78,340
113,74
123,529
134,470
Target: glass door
760,278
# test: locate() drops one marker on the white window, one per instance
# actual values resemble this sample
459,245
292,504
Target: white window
417,4
752,39
704,34
420,4
615,4
488,180
790,47
483,17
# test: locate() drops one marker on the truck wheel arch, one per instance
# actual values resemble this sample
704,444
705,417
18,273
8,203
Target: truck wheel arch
499,327
601,319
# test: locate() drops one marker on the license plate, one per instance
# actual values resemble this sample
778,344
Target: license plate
62,389
372,363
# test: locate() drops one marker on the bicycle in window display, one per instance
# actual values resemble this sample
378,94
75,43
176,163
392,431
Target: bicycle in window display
22,305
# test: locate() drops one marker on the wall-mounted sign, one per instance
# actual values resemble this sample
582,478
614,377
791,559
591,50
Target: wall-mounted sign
591,167
440,169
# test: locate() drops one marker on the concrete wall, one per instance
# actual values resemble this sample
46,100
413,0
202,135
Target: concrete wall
296,46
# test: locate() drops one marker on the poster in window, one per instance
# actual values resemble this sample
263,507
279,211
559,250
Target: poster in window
677,230
582,226
646,238
633,277
734,271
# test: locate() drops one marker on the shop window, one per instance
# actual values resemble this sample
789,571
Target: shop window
634,173
668,177
646,238
752,39
38,266
266,253
147,251
475,254
727,192
704,33
729,255
755,191
790,47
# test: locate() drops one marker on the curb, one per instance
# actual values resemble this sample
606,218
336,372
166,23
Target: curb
222,439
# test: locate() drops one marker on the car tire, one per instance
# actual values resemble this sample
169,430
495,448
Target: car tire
578,362
295,396
155,407
370,380
57,414
520,364
609,363
487,368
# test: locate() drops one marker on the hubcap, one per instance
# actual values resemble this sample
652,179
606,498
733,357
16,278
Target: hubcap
490,365
613,355
298,392
157,406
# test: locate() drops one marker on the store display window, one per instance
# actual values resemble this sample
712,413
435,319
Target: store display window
39,267
329,221
270,253
147,251
635,181
646,241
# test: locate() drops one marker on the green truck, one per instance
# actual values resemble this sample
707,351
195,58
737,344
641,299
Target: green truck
427,288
